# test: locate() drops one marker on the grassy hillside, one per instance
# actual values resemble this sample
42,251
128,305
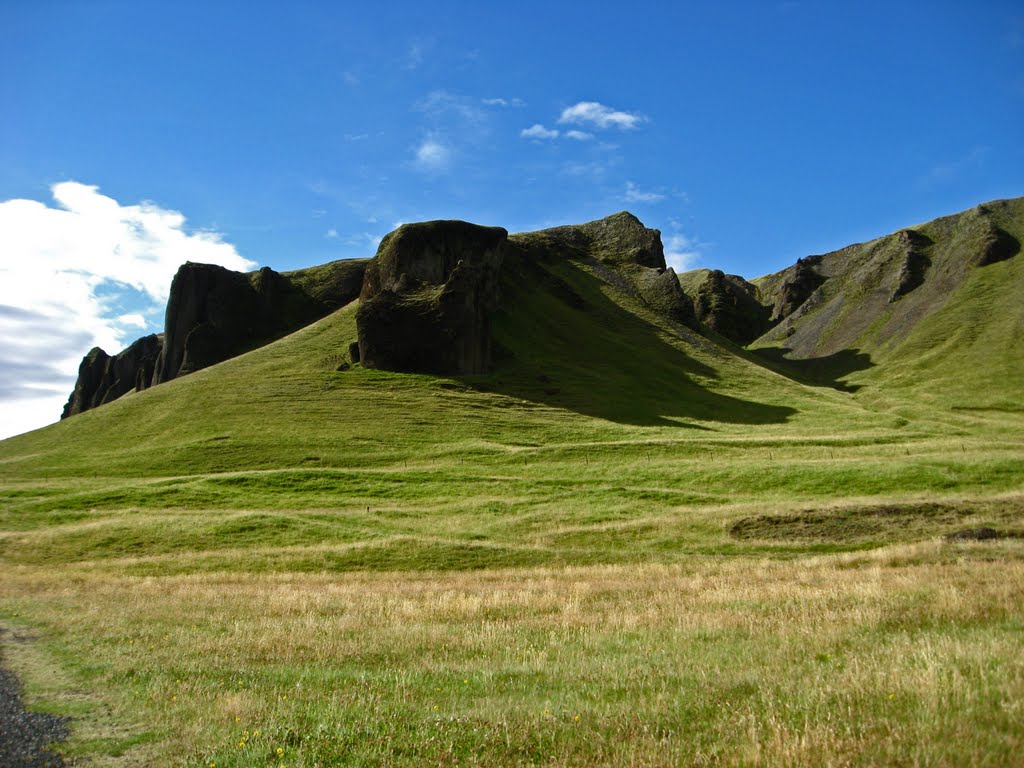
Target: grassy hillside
628,545
953,341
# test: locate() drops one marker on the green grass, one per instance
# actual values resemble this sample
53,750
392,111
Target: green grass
626,546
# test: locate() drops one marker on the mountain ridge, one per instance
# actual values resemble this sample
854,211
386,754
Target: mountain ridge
851,304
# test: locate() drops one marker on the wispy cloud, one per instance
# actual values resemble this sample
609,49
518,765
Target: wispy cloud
681,252
432,156
416,52
947,171
635,195
538,132
442,104
83,274
365,240
600,116
504,102
579,135
332,234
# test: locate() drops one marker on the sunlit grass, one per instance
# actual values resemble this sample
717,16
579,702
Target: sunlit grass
610,551
906,655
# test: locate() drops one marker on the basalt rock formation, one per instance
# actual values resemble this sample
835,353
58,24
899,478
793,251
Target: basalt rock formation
622,251
428,296
872,296
214,314
102,378
996,245
914,265
430,291
798,283
728,305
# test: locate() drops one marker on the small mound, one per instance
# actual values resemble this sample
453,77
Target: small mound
974,534
882,523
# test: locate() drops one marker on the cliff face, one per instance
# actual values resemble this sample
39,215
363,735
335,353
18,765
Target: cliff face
102,378
872,296
726,304
430,291
214,314
625,252
428,296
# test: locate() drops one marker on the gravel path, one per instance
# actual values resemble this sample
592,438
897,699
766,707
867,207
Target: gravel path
24,735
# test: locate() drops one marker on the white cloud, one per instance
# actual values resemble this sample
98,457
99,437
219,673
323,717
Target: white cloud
132,320
433,156
66,274
441,105
414,56
593,113
504,102
681,253
365,240
332,234
634,195
579,135
538,132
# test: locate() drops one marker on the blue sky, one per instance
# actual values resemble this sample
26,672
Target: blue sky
137,135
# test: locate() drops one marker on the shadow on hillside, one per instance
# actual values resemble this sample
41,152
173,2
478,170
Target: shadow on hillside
561,342
816,371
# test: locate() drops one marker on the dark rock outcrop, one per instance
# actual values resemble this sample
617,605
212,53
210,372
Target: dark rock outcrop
102,378
799,283
996,245
428,296
914,262
728,305
214,314
628,253
660,290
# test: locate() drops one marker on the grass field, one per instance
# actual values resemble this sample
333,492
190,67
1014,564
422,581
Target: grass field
627,546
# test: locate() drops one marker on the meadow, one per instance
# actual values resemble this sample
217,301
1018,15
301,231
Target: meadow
632,547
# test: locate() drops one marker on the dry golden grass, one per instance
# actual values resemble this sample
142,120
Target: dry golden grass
903,656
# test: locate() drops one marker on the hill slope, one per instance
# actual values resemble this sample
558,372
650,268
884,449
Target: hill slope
629,542
934,311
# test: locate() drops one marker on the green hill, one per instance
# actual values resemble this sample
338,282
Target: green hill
931,314
629,542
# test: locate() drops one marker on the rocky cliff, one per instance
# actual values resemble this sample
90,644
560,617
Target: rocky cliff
874,294
214,314
729,306
623,251
430,291
426,301
102,377
428,296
